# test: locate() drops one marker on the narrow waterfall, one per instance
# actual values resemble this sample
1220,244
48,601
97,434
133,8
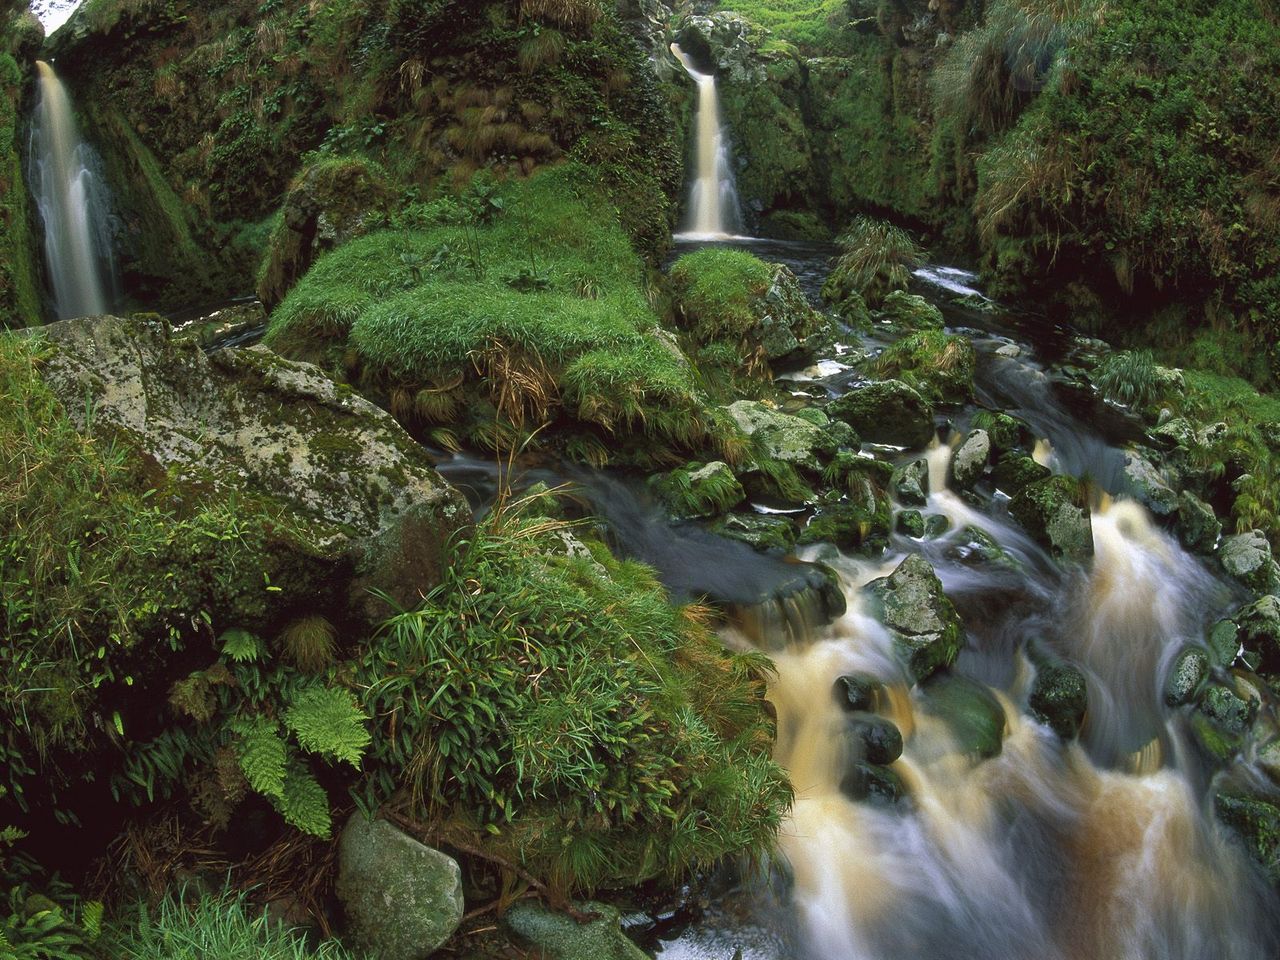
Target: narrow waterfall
74,205
713,198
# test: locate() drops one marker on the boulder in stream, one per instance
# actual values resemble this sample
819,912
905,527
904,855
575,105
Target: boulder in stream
1014,471
402,899
910,483
1198,527
970,459
779,436
1256,821
1059,697
1246,557
911,311
1141,480
971,711
561,937
926,630
1187,675
887,411
1056,514
1258,631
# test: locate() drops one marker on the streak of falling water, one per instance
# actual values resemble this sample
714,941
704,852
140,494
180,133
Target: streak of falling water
73,203
713,198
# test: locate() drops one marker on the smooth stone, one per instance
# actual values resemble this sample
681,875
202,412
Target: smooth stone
857,692
926,630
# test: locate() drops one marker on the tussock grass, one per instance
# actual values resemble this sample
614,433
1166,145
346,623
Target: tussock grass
876,258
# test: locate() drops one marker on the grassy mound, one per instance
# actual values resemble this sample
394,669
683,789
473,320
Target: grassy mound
570,717
510,306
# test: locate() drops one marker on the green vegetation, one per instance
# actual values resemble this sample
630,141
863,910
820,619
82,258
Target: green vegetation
876,258
938,365
212,927
571,716
810,23
521,296
19,290
1128,377
715,289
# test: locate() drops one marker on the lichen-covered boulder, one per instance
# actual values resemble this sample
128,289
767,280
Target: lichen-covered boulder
1007,432
970,459
355,493
1188,673
1059,697
402,899
1141,480
1198,527
1014,471
861,521
911,311
1255,819
558,936
910,483
1246,557
888,411
779,436
1056,514
926,630
699,490
768,534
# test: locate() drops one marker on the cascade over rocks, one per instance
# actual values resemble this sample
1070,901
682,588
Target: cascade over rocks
357,495
402,899
1055,513
927,633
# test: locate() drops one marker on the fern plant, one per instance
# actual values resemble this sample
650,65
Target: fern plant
276,723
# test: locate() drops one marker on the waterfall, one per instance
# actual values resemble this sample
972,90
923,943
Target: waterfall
713,198
74,205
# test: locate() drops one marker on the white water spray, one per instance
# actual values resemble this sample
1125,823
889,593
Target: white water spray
73,204
713,199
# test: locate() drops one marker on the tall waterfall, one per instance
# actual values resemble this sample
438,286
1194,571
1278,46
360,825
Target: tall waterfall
713,198
74,205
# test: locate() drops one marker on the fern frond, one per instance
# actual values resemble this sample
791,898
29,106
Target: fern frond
263,755
241,646
328,721
304,804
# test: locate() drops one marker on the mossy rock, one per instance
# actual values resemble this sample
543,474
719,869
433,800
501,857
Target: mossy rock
1056,514
926,630
1007,432
1246,558
1256,821
1198,527
971,711
969,461
910,482
910,523
1143,481
558,936
1186,676
780,436
1014,471
889,412
699,490
911,312
1257,629
939,365
861,525
974,546
768,534
1059,697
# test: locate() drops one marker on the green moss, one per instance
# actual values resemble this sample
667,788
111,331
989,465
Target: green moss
939,366
715,289
19,290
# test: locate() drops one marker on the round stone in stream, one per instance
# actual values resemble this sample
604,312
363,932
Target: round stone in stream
857,691
874,739
869,783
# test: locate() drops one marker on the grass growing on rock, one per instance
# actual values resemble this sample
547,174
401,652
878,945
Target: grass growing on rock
876,258
716,288
522,291
572,717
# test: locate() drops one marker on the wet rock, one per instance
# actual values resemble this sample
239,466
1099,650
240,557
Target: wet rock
402,900
886,412
1223,642
874,739
1174,433
557,936
1247,558
1187,675
1228,710
859,523
936,525
939,366
779,436
699,490
910,483
1268,761
1055,513
857,692
1198,528
970,460
974,546
1258,631
971,711
1006,432
1059,697
1256,821
788,329
837,436
1143,482
768,534
353,489
910,523
1014,471
911,311
869,783
926,630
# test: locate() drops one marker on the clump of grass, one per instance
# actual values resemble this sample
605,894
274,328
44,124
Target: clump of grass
220,927
309,643
573,718
699,490
940,365
876,258
578,14
1128,377
715,288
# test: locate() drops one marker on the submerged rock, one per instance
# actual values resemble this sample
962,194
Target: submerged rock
926,630
402,900
559,936
886,412
970,459
873,739
970,710
1055,513
1059,697
857,692
973,545
871,783
352,488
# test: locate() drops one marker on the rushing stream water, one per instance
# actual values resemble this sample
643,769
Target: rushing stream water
1105,847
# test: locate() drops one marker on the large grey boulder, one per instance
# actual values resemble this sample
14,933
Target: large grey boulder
1198,527
910,483
355,493
402,899
970,459
1141,480
926,630
779,436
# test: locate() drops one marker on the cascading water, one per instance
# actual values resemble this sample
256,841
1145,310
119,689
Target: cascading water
713,198
74,205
